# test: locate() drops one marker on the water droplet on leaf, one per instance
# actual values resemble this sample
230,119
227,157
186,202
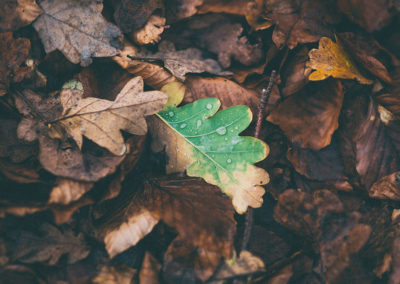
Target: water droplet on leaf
229,161
209,106
183,125
171,113
221,130
198,123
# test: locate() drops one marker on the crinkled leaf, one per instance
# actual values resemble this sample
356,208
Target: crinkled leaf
77,29
330,59
102,120
17,13
208,146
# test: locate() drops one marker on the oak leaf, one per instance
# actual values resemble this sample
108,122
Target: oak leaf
78,30
330,59
211,148
101,120
151,32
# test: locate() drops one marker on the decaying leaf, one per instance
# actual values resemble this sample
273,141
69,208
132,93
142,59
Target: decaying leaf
181,9
211,148
48,245
101,120
150,270
151,32
330,59
387,187
181,62
80,37
152,74
183,204
17,13
227,91
310,117
13,53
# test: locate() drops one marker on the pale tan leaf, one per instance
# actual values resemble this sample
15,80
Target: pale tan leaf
66,191
151,32
102,120
129,233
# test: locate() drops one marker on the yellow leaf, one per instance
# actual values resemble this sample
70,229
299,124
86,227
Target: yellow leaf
330,59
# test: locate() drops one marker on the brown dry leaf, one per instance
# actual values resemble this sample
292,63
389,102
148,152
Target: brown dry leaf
227,91
122,274
78,30
66,191
310,116
133,15
325,165
102,120
48,245
395,274
221,35
369,54
388,187
17,13
372,15
300,21
26,172
181,203
153,75
151,32
246,264
13,54
366,142
252,10
150,270
330,59
180,9
294,74
185,263
181,62
308,215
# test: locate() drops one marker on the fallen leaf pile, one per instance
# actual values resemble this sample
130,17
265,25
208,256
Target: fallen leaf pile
127,148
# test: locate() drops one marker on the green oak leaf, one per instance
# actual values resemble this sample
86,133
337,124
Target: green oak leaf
207,144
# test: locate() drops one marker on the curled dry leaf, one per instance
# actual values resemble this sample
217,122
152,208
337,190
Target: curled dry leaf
330,59
80,37
66,191
212,149
17,13
48,245
102,120
310,117
153,75
183,204
227,91
366,146
372,15
181,62
388,187
151,32
13,54
133,15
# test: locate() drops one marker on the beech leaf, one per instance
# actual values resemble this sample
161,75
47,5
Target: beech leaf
330,59
211,148
101,120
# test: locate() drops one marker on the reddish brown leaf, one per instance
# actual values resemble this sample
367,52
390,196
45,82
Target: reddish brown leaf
310,117
13,54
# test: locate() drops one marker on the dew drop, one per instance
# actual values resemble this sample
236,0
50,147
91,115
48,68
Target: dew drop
229,161
171,113
183,125
236,127
209,106
221,130
226,139
213,155
198,123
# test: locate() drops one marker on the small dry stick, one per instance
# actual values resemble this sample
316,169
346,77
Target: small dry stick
260,115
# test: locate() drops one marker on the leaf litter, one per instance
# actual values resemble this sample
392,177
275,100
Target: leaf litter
89,196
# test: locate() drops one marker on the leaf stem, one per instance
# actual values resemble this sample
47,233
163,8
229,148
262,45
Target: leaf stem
260,115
